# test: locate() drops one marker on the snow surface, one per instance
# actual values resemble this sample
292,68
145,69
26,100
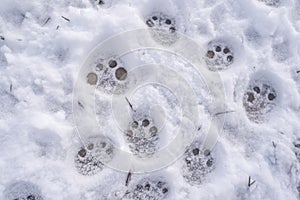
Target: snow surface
44,43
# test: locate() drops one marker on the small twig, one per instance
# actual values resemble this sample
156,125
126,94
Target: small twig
10,87
57,27
199,128
127,192
249,182
274,145
2,38
298,71
128,179
80,104
130,105
48,19
225,112
66,18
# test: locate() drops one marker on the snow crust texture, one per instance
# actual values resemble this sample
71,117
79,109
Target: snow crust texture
253,45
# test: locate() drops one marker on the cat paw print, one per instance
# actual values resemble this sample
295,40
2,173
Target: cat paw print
149,188
162,28
109,76
90,159
259,99
219,55
142,137
197,164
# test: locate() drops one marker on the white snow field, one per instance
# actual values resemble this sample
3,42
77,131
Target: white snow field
253,45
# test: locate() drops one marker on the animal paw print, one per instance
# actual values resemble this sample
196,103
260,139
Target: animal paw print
154,189
163,28
161,21
273,3
259,99
142,137
90,159
219,55
110,77
22,190
197,164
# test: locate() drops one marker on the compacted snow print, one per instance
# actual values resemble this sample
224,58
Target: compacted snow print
149,100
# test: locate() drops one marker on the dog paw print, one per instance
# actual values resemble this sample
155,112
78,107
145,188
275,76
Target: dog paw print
197,164
219,55
259,99
142,137
154,189
109,76
90,159
163,28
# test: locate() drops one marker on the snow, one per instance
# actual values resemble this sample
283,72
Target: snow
47,108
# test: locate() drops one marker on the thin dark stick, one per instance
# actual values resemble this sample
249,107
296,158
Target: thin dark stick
10,87
2,38
48,19
66,18
249,182
80,104
57,27
130,105
225,112
128,179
